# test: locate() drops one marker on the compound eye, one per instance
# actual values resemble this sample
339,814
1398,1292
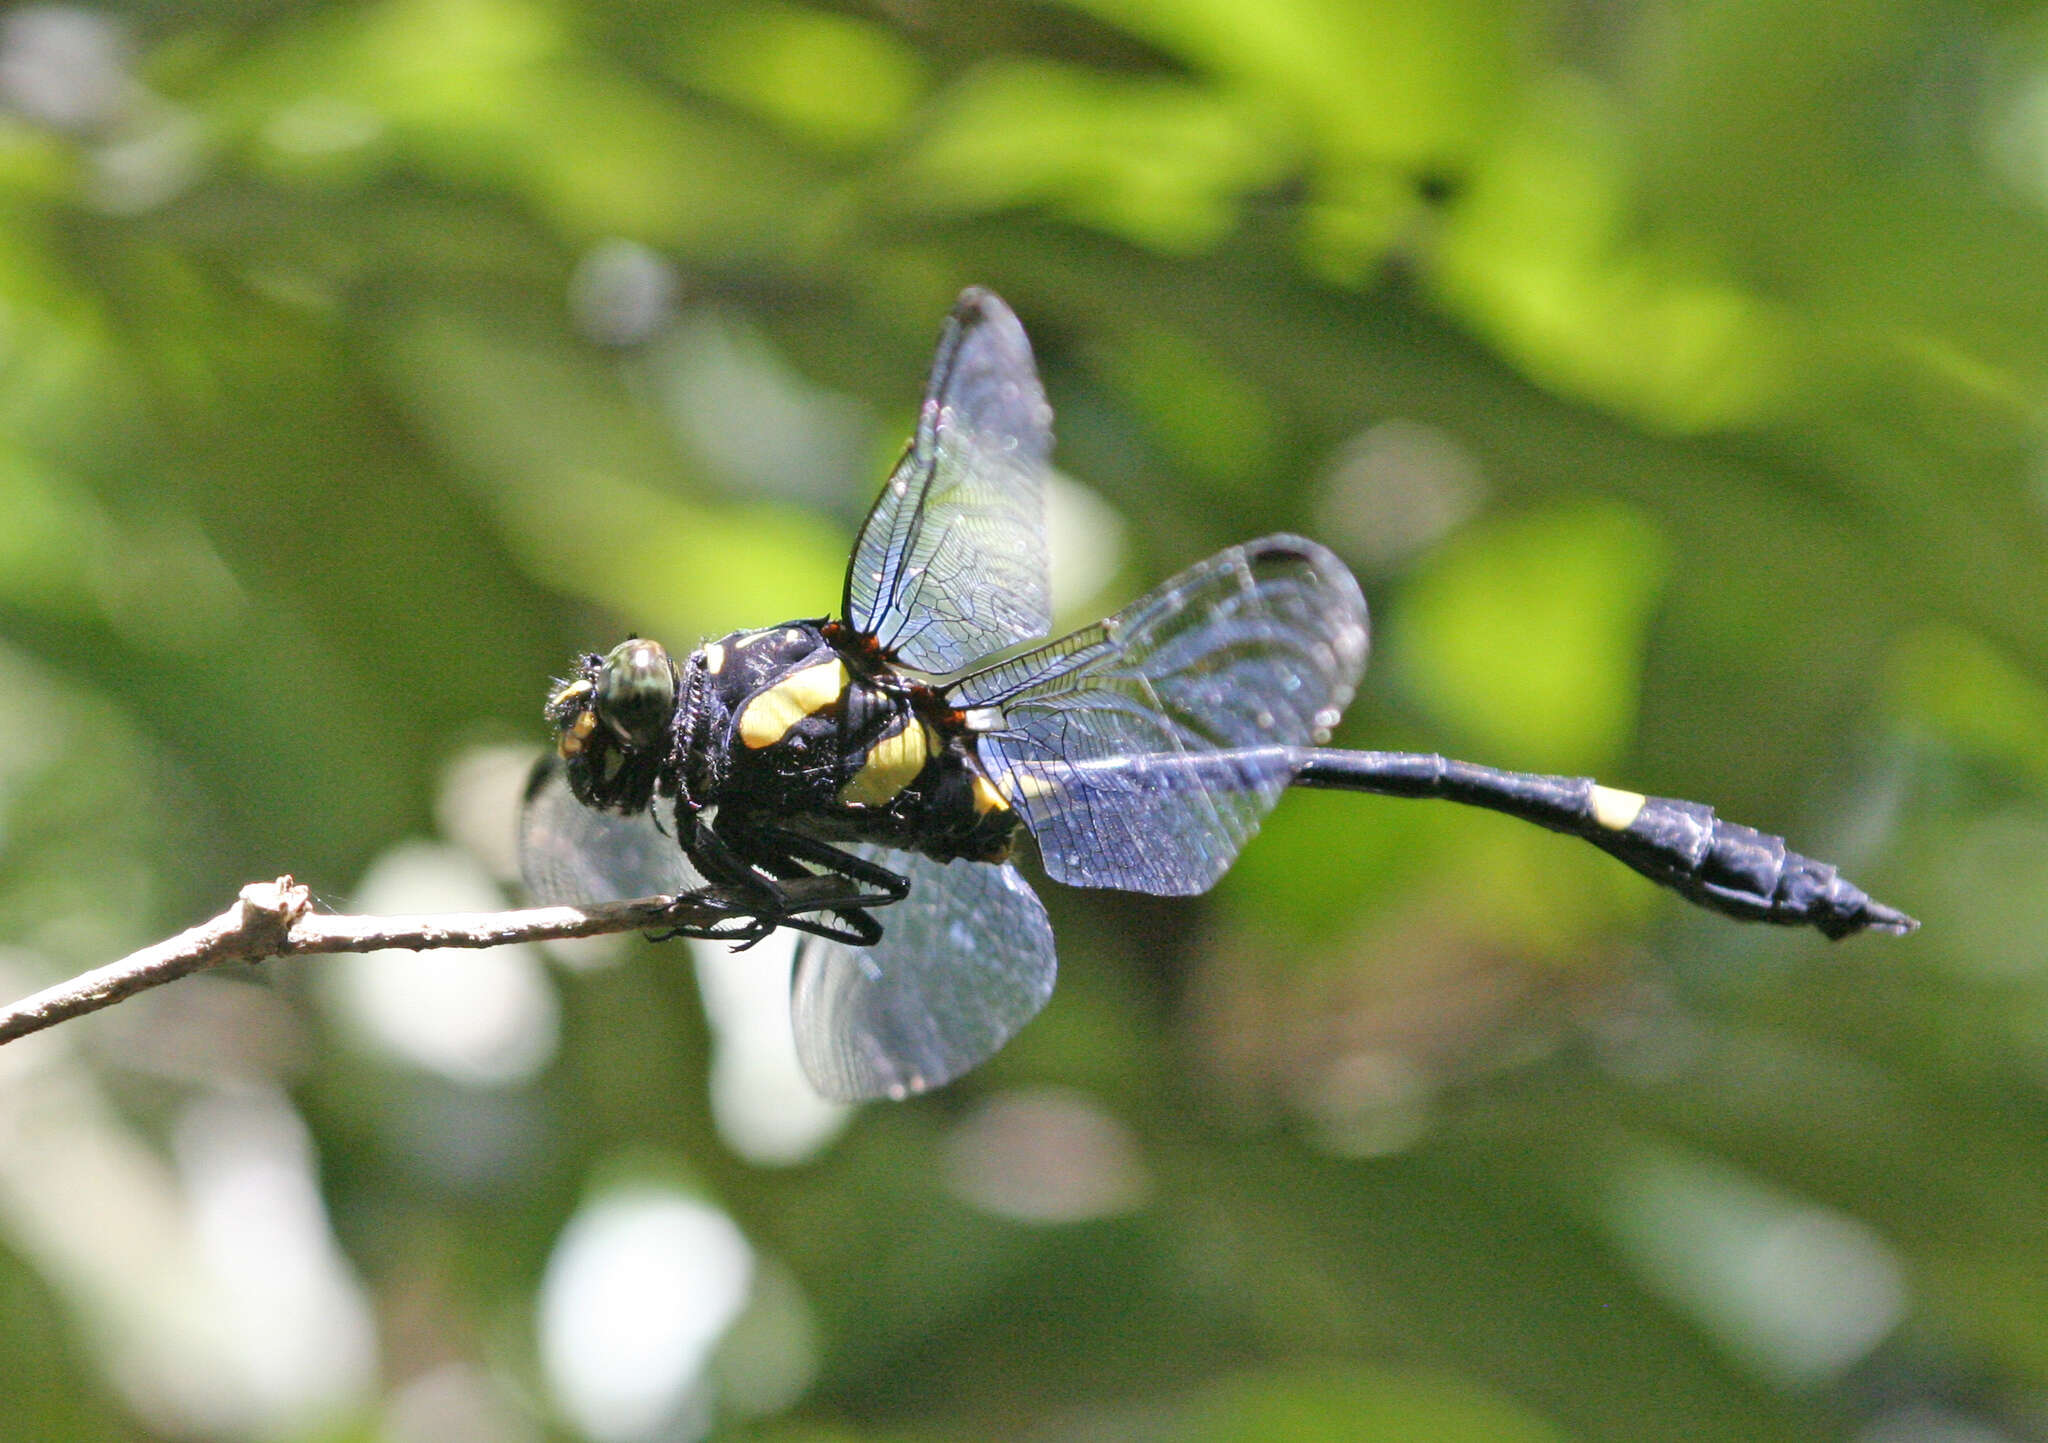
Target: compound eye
636,692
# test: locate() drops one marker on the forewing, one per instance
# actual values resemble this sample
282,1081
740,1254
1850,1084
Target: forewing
951,562
964,961
1144,751
570,853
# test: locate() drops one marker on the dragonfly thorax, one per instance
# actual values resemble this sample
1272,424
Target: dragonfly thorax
786,724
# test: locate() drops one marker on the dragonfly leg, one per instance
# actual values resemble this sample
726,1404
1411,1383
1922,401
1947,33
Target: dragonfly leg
734,920
791,880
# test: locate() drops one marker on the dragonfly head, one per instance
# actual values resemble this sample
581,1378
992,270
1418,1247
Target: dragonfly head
614,722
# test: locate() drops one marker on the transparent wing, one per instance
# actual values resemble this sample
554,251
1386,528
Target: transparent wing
1144,751
570,853
964,961
951,562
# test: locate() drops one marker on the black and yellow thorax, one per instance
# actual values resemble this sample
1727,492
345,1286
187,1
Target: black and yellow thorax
785,725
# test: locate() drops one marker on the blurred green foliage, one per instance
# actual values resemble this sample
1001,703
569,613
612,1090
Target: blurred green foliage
1672,374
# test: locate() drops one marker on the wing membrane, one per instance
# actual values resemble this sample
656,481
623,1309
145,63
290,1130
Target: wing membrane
1144,751
962,964
570,853
951,562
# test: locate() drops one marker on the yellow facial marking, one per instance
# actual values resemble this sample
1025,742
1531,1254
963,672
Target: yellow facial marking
571,692
1617,810
891,765
987,798
770,715
714,658
571,743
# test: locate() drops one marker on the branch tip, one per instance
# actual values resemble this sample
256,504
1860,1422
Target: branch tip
277,918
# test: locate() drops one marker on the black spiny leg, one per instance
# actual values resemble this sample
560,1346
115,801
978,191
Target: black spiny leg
829,897
733,918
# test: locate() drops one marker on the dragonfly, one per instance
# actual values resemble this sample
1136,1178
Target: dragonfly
864,778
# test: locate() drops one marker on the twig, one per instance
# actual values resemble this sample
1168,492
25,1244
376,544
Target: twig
275,919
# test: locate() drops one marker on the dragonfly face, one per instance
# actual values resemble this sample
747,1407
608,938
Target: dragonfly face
815,772
613,723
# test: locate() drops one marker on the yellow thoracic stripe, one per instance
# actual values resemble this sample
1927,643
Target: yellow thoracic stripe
987,798
891,765
1029,782
770,715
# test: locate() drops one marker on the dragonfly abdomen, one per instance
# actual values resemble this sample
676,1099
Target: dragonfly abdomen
1742,871
1722,865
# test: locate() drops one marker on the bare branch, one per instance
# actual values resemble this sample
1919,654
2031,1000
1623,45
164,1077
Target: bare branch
275,919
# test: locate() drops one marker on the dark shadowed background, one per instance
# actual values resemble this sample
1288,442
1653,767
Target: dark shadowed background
1673,376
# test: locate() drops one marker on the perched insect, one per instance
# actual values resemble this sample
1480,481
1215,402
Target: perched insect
862,779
